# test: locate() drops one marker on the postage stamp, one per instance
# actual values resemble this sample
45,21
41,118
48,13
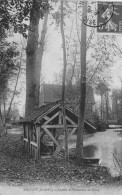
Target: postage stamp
105,16
109,18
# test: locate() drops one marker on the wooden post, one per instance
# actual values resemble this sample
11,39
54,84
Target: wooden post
24,137
38,140
60,118
54,135
36,153
28,137
51,136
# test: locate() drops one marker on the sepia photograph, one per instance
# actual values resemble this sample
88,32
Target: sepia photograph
60,97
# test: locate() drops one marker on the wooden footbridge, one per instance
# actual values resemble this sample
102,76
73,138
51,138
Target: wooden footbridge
45,125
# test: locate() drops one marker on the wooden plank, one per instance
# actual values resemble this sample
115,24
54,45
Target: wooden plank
25,139
25,146
60,147
36,153
33,143
54,116
57,151
89,124
46,118
51,136
52,126
50,110
24,130
71,121
38,141
71,133
42,135
28,133
60,118
46,146
59,126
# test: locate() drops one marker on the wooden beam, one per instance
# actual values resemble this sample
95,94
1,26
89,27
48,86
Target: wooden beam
58,126
24,130
36,153
89,124
52,126
51,136
71,133
46,146
57,151
59,148
46,118
33,143
60,118
38,141
25,139
50,110
71,121
29,137
54,116
42,135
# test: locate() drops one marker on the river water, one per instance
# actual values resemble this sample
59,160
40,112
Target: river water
107,146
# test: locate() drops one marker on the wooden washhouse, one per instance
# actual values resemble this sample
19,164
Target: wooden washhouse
44,126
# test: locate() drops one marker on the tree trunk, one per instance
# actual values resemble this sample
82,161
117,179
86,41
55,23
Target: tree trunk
40,54
32,88
1,122
79,143
5,118
107,105
32,100
116,111
34,53
63,82
101,107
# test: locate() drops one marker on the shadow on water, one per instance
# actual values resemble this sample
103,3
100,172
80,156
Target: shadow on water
90,151
119,132
107,146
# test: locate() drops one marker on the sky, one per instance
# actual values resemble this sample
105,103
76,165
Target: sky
52,60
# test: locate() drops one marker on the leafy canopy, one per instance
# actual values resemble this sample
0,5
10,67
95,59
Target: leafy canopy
18,13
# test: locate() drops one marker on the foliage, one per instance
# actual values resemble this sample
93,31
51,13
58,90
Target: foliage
17,14
102,88
7,64
116,98
100,50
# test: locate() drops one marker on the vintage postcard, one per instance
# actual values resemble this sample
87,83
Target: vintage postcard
60,97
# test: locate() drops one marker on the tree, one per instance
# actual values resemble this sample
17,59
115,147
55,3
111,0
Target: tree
116,104
79,143
102,89
14,92
8,69
63,80
32,61
31,11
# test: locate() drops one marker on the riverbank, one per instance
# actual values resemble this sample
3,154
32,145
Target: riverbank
18,169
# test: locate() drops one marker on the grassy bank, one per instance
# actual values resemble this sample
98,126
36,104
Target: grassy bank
17,168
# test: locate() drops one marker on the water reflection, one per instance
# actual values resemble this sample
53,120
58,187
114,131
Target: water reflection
90,151
119,132
107,146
